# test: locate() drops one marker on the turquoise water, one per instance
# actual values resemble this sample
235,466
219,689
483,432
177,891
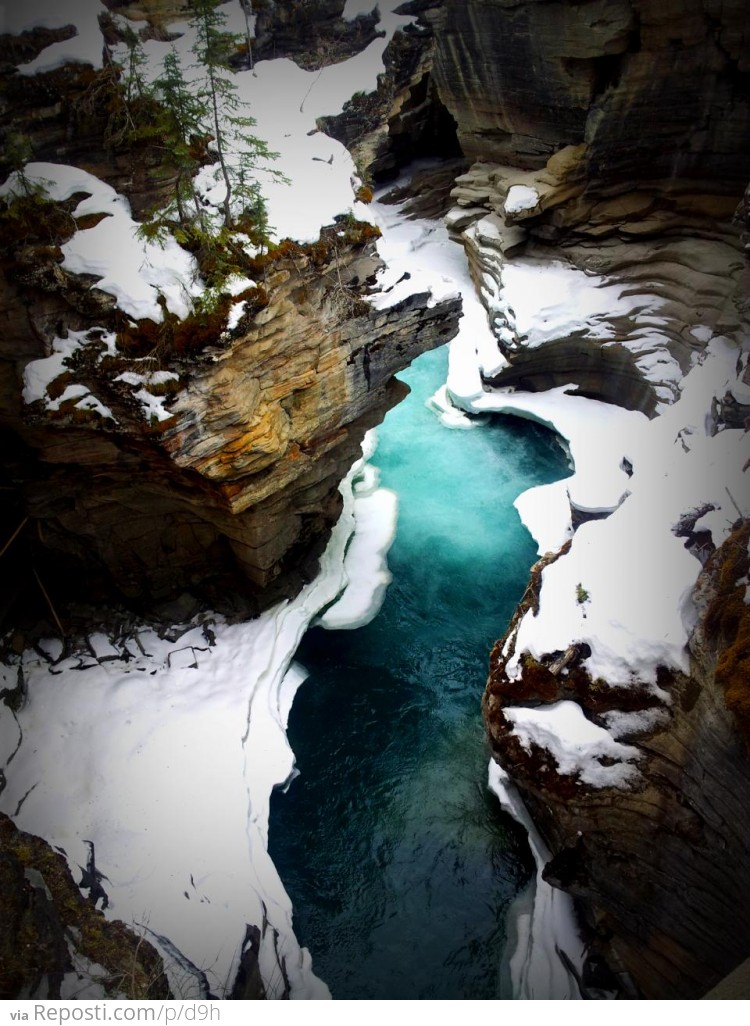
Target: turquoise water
398,861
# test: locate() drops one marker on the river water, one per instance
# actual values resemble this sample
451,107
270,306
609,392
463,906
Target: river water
399,863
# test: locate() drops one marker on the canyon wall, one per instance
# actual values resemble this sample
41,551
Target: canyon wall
659,868
626,123
232,495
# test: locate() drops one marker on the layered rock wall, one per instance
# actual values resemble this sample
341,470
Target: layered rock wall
651,90
610,154
233,495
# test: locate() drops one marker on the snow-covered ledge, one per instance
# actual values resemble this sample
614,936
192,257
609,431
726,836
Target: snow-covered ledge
164,756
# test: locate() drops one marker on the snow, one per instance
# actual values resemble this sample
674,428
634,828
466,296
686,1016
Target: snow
365,564
545,300
545,512
520,198
631,724
168,769
286,102
83,48
39,374
153,406
598,436
450,416
577,744
640,610
132,270
544,917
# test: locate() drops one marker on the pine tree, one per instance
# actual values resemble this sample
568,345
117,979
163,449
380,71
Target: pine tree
181,124
130,100
134,81
238,151
18,153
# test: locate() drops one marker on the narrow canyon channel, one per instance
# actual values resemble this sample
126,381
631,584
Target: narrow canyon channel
399,863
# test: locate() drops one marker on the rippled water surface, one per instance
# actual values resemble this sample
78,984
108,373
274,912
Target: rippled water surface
398,862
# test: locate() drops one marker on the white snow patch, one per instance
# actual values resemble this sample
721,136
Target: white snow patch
543,301
39,374
701,333
134,271
520,198
544,917
451,416
153,405
576,744
366,562
85,47
631,724
545,511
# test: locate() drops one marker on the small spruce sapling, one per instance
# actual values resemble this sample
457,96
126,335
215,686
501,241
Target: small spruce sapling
181,125
130,100
239,152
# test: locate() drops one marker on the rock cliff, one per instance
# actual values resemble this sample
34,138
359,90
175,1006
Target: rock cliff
230,495
222,479
660,868
652,91
607,139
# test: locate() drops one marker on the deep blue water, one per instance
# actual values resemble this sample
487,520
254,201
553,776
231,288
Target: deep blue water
398,861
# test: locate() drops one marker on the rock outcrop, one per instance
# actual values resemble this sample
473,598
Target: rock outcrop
661,867
643,276
405,117
232,495
609,149
56,943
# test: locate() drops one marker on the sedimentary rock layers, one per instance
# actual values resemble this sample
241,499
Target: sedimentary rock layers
232,489
652,90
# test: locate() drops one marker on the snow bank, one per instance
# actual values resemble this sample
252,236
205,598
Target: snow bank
544,917
365,563
577,744
542,301
132,270
85,47
646,474
520,198
38,375
286,102
164,755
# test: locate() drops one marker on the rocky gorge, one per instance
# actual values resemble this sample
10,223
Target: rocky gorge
598,161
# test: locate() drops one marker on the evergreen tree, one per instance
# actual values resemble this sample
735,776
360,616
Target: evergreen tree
18,153
181,124
238,151
134,81
130,100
